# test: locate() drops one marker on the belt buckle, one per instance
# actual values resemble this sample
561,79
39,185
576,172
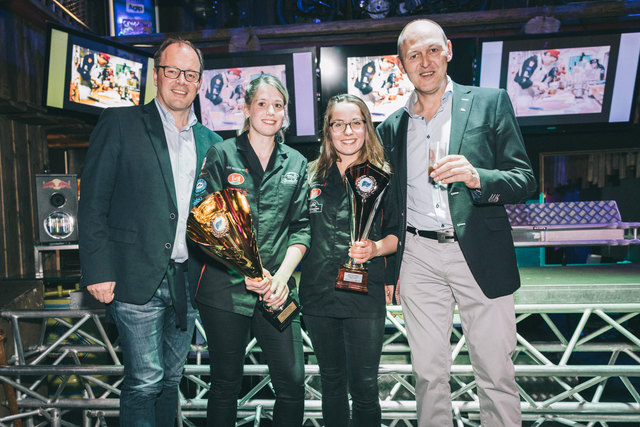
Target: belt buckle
446,236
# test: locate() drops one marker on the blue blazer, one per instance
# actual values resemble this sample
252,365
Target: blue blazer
128,213
483,129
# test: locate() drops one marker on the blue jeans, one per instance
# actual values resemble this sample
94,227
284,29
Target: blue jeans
348,352
154,352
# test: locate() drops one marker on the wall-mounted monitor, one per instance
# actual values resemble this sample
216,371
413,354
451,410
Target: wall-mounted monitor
556,82
220,100
371,72
379,82
131,17
86,73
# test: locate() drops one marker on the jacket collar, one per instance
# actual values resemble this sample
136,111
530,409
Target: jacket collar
460,109
155,130
243,144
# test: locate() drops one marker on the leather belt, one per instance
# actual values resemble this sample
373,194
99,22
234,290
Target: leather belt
446,236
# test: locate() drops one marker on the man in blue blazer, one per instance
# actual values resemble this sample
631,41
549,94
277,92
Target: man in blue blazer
457,156
137,183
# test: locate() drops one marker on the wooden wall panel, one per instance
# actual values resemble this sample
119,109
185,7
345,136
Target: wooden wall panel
9,201
22,155
5,129
22,198
38,158
32,64
29,146
23,146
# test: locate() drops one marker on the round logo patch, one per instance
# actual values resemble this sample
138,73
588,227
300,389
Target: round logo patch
235,179
366,185
201,185
219,225
315,192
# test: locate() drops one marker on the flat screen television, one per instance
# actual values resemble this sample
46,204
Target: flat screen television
221,97
86,73
131,17
371,72
557,82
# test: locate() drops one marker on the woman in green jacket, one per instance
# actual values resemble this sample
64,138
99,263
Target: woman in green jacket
273,177
346,328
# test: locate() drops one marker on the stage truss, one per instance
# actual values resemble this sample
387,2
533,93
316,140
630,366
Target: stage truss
73,377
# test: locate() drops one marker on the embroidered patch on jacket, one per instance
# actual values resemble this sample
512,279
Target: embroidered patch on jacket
315,207
201,185
290,178
235,179
314,193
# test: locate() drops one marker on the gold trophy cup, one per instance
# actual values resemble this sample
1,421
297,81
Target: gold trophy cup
221,226
366,185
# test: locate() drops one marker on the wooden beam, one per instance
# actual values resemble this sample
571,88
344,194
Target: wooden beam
67,142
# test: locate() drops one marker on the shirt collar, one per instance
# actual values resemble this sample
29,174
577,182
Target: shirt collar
413,98
167,117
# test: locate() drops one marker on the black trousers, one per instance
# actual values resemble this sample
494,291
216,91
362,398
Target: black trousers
227,335
348,353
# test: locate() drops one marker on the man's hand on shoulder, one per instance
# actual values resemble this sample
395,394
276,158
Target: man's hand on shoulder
103,292
456,168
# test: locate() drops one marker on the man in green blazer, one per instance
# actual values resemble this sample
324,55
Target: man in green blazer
137,182
457,156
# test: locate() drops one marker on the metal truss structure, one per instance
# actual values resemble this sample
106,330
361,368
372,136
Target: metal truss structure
576,364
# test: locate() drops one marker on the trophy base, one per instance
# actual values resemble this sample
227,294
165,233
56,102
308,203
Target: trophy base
281,318
352,279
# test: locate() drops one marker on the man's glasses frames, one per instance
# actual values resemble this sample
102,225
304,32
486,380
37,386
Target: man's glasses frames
174,72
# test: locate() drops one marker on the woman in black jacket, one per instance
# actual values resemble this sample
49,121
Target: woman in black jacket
346,328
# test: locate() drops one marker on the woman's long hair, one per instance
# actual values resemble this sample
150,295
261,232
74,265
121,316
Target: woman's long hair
250,93
371,150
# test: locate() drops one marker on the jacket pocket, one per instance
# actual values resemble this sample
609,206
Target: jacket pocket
122,235
477,130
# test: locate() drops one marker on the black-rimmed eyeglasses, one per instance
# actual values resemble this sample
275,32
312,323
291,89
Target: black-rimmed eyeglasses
174,72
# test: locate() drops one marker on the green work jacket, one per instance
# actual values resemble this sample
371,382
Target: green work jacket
329,215
277,198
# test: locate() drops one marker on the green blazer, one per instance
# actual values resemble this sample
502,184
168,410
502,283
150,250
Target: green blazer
484,130
128,214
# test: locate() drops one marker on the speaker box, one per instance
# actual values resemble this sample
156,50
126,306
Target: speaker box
57,197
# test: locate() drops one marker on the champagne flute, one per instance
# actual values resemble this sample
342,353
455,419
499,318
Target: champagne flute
433,157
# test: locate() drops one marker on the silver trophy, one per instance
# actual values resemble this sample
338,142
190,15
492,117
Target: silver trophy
366,185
